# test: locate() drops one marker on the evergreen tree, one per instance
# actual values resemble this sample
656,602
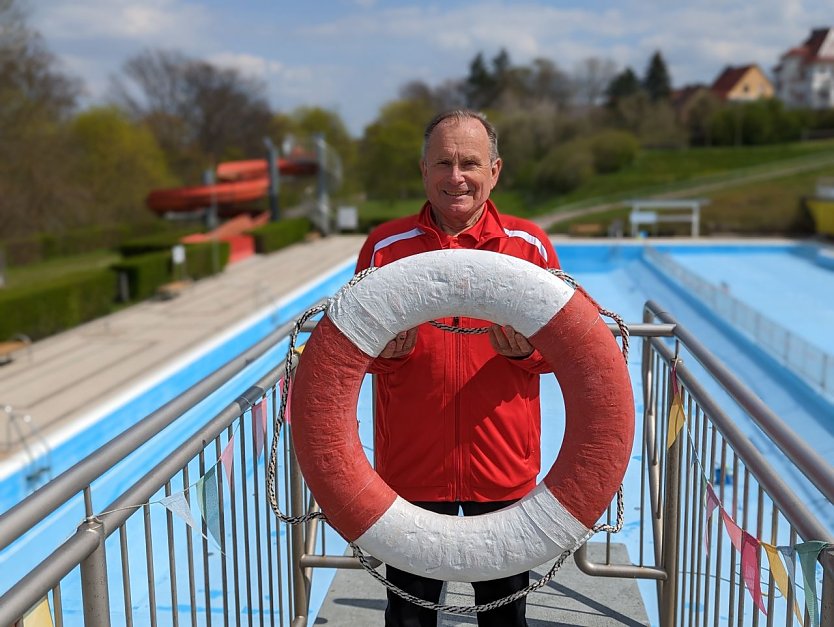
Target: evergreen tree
621,86
480,84
657,82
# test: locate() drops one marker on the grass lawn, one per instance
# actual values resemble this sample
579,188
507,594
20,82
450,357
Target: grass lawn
654,171
48,270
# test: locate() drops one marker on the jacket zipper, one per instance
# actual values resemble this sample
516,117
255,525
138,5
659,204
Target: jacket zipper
458,452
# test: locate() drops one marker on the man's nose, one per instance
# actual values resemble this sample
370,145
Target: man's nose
456,174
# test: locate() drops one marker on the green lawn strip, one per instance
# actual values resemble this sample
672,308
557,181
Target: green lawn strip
54,268
653,172
772,206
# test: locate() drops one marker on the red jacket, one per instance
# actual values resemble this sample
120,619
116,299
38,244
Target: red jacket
455,421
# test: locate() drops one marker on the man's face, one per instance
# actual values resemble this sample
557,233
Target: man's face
457,174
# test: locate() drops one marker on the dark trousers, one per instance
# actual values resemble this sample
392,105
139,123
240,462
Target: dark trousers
402,613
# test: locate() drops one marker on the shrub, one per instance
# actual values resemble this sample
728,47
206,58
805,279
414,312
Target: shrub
47,308
276,235
144,273
565,167
613,150
205,259
22,251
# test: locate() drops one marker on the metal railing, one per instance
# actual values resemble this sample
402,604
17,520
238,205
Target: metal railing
140,565
812,364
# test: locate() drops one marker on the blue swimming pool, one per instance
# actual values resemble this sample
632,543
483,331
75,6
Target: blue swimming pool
616,275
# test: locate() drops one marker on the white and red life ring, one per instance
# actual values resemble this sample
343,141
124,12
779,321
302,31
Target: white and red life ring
560,322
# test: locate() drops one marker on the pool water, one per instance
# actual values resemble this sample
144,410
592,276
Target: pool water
781,280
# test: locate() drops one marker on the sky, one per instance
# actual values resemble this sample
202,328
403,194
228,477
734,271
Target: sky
352,56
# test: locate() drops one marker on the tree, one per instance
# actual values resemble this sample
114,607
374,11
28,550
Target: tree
480,84
391,149
622,85
591,77
309,121
657,82
36,188
199,113
117,162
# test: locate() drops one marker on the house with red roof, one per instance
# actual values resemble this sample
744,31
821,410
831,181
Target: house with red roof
805,74
742,83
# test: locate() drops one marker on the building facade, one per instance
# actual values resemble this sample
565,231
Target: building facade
805,74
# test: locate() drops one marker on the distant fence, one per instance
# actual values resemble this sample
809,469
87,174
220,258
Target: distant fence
811,363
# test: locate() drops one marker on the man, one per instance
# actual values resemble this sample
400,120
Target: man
457,416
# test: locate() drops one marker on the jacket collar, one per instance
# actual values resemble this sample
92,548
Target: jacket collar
489,225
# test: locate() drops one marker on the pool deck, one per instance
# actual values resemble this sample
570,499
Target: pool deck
60,379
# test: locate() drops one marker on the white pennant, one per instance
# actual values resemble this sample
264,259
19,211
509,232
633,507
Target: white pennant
179,506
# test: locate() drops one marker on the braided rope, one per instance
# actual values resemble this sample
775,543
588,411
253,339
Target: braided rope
357,552
271,478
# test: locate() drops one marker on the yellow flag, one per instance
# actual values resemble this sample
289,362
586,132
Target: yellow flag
677,418
39,616
780,575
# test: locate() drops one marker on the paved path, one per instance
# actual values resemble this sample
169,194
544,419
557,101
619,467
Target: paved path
64,377
571,598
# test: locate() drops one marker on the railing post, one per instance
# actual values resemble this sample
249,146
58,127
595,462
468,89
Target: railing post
94,589
671,507
827,600
299,576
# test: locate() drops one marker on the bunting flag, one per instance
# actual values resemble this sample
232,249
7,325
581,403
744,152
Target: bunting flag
750,568
209,502
177,504
733,530
780,576
677,417
809,553
712,502
259,426
227,458
39,616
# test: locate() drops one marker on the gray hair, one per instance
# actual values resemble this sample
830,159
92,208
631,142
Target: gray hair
459,115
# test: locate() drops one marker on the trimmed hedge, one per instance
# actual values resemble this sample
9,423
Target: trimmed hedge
276,235
152,243
47,308
145,273
205,259
32,249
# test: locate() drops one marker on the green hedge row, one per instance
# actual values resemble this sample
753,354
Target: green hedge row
146,273
46,308
152,243
277,235
50,307
26,250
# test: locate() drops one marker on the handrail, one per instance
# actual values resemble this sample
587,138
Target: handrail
19,519
820,472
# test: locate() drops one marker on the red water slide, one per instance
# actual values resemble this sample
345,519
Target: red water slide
238,183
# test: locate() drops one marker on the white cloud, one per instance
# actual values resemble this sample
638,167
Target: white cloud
353,55
151,22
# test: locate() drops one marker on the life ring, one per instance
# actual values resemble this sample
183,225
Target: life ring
559,513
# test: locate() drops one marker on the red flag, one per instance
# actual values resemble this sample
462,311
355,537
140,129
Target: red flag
750,568
228,460
712,503
733,530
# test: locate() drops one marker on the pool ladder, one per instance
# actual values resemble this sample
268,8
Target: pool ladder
21,432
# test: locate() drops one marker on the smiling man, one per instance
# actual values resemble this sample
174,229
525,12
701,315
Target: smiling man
457,418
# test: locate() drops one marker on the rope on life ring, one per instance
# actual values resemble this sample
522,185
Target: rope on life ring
560,321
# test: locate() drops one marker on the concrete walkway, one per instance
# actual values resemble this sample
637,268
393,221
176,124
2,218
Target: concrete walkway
62,378
571,598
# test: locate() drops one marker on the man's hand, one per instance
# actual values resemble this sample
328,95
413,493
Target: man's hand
400,346
508,342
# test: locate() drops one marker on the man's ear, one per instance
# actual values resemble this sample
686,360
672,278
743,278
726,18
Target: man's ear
496,170
423,168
